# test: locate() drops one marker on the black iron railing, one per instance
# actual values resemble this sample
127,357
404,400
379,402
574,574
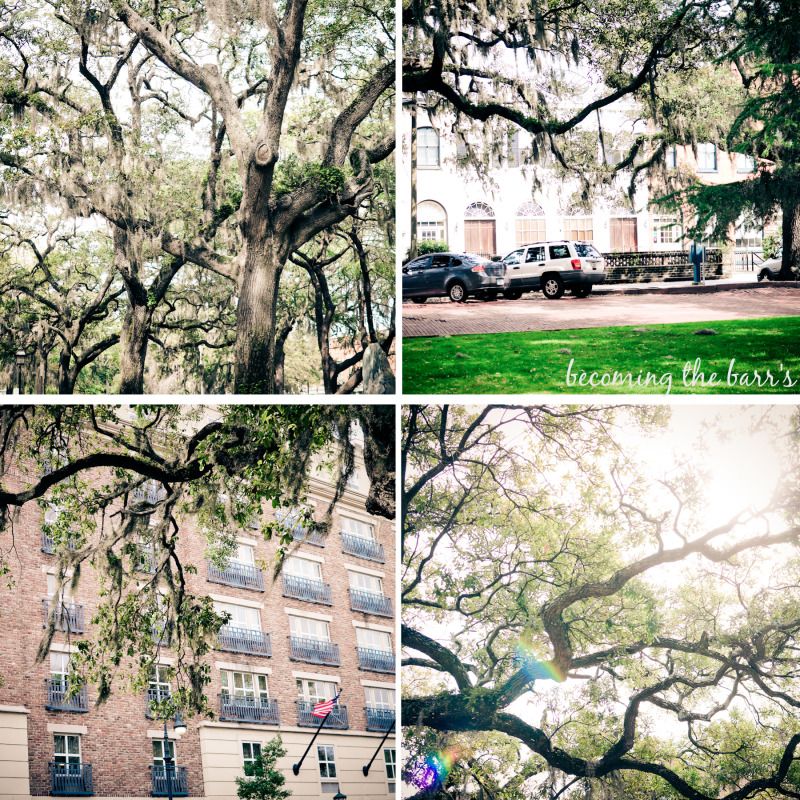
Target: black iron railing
49,543
307,589
314,651
244,640
362,547
379,719
375,660
160,775
145,558
71,779
249,709
59,700
337,719
300,534
370,603
155,694
238,574
68,616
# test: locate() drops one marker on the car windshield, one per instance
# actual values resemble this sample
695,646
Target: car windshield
586,250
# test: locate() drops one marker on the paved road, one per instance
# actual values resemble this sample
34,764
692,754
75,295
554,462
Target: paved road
533,313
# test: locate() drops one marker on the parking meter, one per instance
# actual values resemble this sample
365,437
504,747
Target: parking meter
696,256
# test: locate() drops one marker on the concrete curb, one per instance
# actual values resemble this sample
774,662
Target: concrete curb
683,288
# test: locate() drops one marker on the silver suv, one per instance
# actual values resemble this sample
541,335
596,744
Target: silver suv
553,267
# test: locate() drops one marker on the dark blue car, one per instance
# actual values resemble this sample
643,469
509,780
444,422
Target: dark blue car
454,275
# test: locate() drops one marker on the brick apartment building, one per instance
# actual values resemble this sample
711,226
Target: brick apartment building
326,624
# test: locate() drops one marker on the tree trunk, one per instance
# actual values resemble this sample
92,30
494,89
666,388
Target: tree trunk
791,239
65,383
133,345
280,358
254,354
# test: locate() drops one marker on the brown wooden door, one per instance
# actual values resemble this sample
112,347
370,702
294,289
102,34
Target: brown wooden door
623,235
479,237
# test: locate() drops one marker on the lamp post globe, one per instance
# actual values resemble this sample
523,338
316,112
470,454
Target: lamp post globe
339,796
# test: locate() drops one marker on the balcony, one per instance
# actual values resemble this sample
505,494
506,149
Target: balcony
307,589
300,534
49,544
379,719
68,616
375,660
244,640
155,694
145,559
148,492
58,699
237,574
71,779
313,651
248,709
336,719
161,777
363,548
370,603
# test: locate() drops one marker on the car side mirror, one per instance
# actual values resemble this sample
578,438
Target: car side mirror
405,270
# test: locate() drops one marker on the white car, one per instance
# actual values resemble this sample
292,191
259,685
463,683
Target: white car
769,269
553,267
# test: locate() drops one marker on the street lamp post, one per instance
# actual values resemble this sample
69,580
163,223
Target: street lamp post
179,727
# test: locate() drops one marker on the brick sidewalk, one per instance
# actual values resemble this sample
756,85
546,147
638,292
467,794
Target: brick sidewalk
533,313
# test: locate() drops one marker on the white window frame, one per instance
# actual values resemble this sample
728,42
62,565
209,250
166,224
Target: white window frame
258,688
294,560
253,757
158,744
66,755
704,150
311,689
360,529
380,696
297,619
666,230
326,760
232,608
369,578
429,155
382,636
390,763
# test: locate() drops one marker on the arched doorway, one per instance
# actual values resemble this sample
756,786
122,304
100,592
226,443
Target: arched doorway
431,222
480,234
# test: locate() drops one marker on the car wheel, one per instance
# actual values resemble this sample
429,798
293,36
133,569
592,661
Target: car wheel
582,291
512,294
552,287
764,275
491,296
457,292
418,300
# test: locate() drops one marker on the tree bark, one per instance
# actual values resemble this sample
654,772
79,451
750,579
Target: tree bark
791,239
65,383
280,356
254,354
133,343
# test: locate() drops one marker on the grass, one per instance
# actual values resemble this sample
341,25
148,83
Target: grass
500,363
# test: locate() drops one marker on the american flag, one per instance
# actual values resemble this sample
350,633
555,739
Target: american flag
325,707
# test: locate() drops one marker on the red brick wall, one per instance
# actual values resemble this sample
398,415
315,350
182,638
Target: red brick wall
116,743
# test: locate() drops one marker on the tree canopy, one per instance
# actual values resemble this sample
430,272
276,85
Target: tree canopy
600,602
101,470
206,144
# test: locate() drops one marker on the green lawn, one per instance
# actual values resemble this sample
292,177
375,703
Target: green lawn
500,363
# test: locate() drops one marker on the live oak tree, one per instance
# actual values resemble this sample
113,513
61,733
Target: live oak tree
564,598
262,184
115,482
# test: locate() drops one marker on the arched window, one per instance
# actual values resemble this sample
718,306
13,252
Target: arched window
529,224
427,147
431,222
479,229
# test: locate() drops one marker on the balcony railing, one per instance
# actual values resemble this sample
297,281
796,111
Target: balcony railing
300,534
244,640
363,548
375,660
248,709
71,779
370,603
337,718
161,777
379,719
307,589
49,543
68,616
314,651
58,700
238,574
148,492
145,558
155,695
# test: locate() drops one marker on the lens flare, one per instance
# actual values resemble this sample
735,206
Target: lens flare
535,668
431,772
